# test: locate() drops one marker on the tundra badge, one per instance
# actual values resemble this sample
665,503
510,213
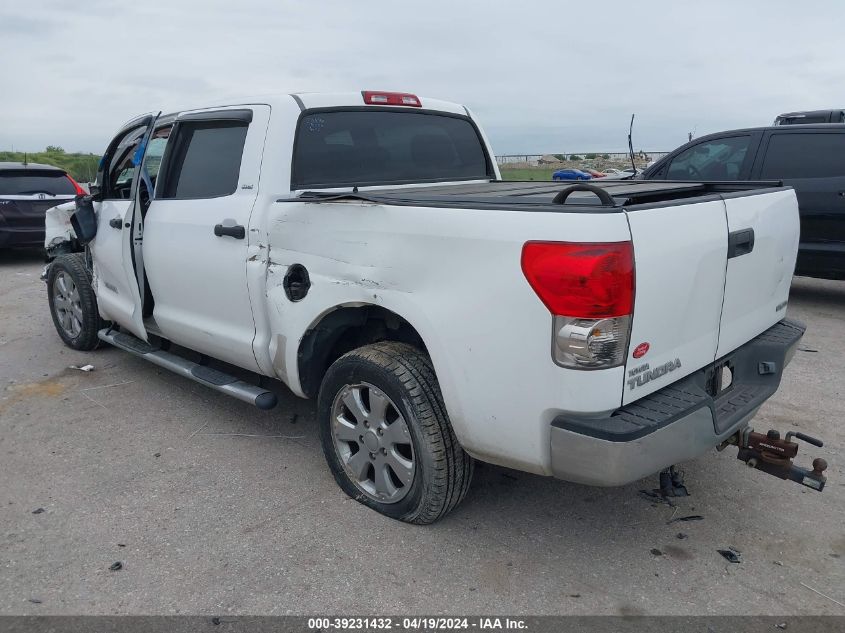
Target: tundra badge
643,374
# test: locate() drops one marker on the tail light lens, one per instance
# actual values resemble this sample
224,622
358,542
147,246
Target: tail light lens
79,190
589,289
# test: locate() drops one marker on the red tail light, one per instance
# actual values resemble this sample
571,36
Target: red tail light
79,190
372,97
583,280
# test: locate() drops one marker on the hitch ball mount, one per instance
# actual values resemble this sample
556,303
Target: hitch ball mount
774,456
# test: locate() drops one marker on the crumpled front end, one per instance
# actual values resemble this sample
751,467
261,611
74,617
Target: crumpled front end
59,236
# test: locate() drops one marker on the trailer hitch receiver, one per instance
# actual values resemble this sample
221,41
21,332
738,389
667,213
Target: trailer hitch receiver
773,455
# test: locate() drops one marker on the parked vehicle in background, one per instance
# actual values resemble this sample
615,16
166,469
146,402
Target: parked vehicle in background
570,174
594,172
27,190
362,249
810,116
810,158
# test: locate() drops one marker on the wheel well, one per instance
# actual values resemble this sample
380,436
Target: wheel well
343,330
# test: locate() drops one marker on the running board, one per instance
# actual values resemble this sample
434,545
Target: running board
217,380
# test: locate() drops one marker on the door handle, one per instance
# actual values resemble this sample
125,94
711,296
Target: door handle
236,231
740,242
116,223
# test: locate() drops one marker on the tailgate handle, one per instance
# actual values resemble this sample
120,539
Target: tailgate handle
740,242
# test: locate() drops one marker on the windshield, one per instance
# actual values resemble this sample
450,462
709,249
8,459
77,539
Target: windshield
375,147
23,182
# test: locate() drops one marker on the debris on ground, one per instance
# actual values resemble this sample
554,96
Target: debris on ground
38,511
656,552
822,594
730,555
781,626
34,600
778,562
156,454
681,536
655,497
121,544
691,517
806,349
116,566
82,368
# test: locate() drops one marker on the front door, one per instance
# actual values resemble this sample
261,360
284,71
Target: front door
114,248
195,231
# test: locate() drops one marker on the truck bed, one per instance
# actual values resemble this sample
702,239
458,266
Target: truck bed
539,196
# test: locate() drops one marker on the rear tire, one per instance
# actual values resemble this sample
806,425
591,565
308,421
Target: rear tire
73,304
395,421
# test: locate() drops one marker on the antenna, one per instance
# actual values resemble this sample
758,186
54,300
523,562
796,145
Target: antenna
631,144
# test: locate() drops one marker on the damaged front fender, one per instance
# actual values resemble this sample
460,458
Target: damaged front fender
59,236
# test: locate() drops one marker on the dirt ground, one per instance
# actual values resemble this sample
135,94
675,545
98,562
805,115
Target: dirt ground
214,507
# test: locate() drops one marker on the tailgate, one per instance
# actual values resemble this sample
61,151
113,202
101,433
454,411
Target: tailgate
710,276
763,244
680,252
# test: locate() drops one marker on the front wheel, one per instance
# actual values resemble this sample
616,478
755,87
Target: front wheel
73,304
386,436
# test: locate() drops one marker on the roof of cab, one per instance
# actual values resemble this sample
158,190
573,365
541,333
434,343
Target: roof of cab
310,100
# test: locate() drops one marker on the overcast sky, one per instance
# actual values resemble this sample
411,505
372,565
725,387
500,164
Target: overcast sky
541,76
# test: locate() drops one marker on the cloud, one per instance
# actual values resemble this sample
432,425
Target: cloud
542,77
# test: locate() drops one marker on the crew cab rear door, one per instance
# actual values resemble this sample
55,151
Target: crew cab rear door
116,247
762,246
813,162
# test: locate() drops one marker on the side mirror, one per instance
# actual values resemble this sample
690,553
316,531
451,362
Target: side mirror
95,192
84,219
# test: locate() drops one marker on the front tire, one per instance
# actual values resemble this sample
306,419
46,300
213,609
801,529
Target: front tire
386,436
73,304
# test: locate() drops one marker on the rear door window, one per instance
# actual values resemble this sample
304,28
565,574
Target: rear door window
30,182
204,160
804,155
717,159
373,147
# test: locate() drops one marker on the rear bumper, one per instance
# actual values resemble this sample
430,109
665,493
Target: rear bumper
679,422
18,236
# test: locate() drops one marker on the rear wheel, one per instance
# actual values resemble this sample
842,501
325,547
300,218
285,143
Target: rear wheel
386,435
73,304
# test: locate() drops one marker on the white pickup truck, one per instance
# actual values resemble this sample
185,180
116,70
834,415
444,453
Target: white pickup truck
362,249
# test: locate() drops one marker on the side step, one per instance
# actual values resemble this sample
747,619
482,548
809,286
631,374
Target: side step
217,380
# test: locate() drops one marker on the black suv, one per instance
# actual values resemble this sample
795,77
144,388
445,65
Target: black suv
809,158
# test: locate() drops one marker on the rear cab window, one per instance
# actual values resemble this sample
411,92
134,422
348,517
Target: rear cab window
31,182
361,147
